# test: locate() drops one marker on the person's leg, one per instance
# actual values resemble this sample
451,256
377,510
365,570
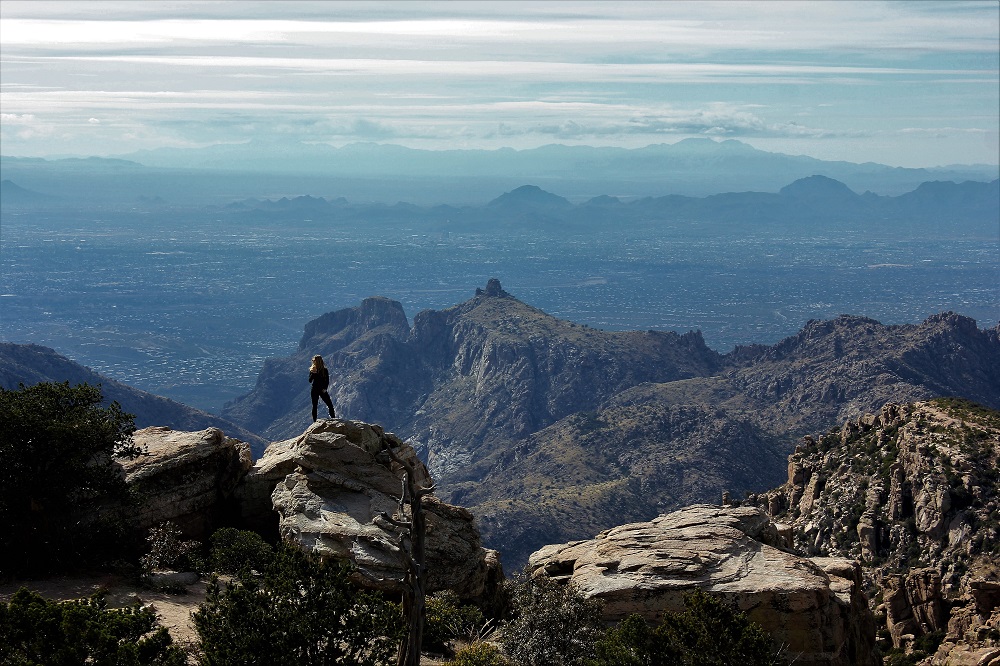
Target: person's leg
329,403
315,401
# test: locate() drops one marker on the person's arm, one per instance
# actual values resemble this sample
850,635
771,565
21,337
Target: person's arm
312,376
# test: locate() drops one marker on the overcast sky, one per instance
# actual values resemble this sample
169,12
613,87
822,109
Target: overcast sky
901,83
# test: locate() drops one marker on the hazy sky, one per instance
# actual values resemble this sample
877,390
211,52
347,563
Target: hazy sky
902,83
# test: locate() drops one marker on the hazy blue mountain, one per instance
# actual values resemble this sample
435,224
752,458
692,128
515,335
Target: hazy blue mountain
691,166
385,172
13,195
529,196
817,201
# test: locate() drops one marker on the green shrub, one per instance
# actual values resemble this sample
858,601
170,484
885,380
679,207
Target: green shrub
300,610
447,619
479,654
233,551
168,551
34,630
61,492
707,633
553,624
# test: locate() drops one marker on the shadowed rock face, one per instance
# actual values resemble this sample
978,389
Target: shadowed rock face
814,607
330,486
187,478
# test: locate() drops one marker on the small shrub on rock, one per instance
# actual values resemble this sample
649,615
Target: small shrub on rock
480,654
447,619
168,550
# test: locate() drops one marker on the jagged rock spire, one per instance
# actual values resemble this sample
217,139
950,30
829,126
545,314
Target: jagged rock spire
493,288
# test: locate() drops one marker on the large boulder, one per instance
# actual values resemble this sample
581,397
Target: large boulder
813,607
329,488
188,478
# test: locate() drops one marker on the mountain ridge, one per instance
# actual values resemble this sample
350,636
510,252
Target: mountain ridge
520,415
387,172
30,364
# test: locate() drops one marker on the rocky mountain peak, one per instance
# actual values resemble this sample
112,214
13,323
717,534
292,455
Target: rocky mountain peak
953,321
342,327
911,492
493,289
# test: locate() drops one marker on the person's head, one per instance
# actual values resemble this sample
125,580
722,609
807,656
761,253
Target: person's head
317,364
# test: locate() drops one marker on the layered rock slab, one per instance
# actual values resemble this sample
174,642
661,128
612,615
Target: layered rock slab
188,478
813,607
330,487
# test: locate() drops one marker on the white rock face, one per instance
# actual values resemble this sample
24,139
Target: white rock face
814,607
329,487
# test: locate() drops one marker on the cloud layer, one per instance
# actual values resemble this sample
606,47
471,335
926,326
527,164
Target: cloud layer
895,82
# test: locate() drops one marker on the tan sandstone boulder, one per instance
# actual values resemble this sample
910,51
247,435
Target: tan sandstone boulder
188,478
329,487
813,607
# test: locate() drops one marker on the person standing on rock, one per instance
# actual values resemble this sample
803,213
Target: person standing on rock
319,377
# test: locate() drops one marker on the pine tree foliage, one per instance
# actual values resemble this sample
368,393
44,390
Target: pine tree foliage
554,625
56,469
34,630
300,610
708,632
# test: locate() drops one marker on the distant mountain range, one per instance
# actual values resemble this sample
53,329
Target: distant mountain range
387,173
552,431
699,166
936,207
33,364
812,202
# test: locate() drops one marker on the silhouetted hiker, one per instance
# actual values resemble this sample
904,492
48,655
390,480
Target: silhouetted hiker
319,377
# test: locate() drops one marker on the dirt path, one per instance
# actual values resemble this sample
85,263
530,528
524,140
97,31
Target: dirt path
173,610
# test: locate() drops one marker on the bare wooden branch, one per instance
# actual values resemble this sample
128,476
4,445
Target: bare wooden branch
389,519
412,545
423,492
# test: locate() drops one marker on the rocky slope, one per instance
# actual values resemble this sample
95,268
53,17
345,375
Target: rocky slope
548,429
33,364
911,491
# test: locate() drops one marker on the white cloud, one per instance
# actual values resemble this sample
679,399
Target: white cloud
663,27
17,118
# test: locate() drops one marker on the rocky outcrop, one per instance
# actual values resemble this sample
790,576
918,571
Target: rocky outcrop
325,491
813,607
188,478
330,487
911,491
